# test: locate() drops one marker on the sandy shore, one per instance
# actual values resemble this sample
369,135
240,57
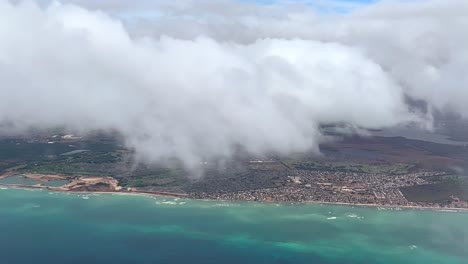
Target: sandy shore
6,175
80,184
436,208
64,190
43,177
185,196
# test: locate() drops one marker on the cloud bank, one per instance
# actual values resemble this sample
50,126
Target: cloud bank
194,80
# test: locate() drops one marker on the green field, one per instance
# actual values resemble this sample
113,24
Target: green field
381,168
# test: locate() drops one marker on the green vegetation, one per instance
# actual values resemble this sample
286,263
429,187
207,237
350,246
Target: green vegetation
24,151
440,191
85,163
83,158
383,168
164,178
104,157
92,158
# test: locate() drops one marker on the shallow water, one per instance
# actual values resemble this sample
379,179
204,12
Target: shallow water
38,226
18,179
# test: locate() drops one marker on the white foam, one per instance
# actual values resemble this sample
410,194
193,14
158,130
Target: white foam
354,216
449,211
331,218
222,205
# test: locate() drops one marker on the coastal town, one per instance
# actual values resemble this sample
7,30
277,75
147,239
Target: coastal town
340,187
303,186
360,172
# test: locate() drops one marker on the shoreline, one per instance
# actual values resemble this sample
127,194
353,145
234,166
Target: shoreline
185,196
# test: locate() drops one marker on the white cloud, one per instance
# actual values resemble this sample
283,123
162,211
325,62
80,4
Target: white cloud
207,76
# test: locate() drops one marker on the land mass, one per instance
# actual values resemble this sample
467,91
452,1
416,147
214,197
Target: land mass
381,171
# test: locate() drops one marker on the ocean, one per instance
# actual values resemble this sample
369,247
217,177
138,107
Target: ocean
38,226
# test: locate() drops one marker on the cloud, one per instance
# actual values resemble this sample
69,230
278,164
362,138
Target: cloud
420,44
194,80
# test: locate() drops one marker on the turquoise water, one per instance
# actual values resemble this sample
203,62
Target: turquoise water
18,179
38,226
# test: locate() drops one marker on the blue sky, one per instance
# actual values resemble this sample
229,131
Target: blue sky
340,6
320,6
311,1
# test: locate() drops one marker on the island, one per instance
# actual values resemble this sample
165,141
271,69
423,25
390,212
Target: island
375,171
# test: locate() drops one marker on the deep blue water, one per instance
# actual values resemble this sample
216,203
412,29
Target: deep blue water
45,227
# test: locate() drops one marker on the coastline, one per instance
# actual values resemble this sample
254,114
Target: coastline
185,196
